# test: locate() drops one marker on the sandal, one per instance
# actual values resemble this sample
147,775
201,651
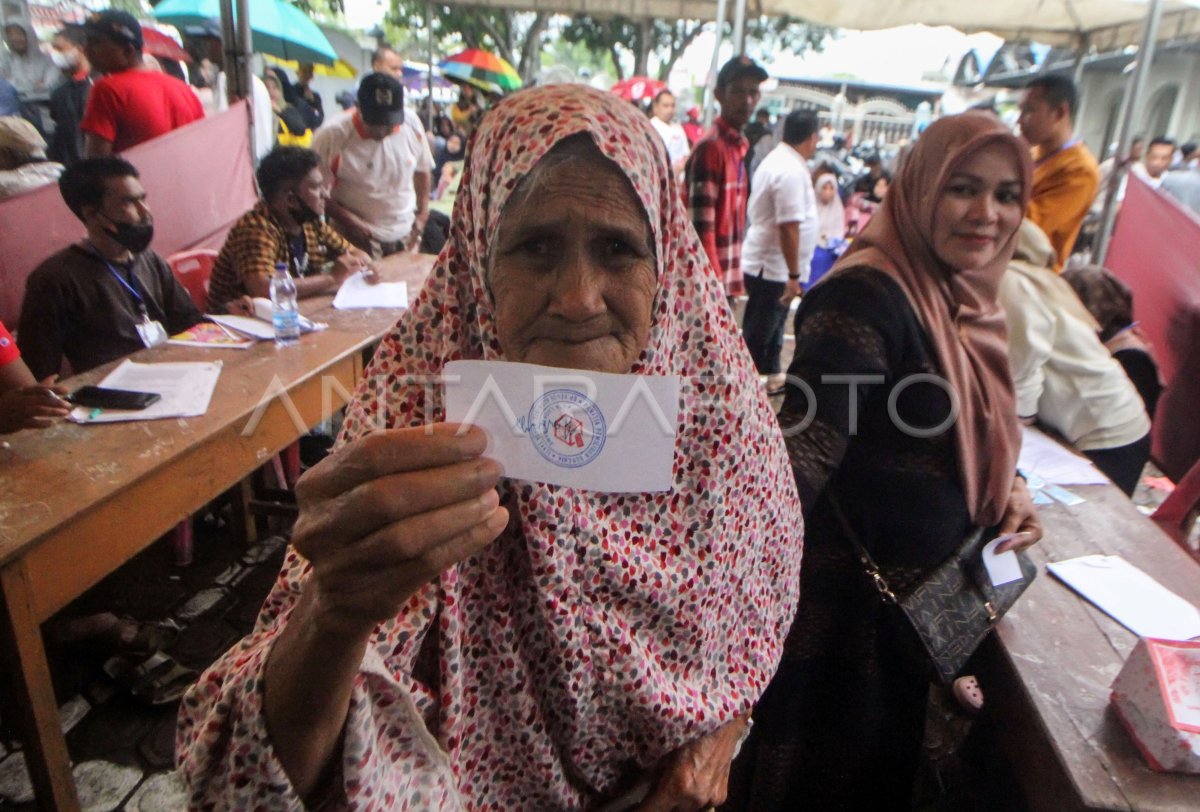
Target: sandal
969,695
147,638
157,680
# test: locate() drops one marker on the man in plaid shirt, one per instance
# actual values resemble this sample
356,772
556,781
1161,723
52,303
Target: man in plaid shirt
716,183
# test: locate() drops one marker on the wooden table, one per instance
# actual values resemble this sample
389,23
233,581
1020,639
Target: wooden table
1057,655
76,501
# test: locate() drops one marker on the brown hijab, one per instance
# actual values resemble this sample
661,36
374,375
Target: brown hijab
958,308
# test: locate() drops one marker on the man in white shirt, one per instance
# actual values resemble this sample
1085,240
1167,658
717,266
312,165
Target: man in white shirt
1156,162
662,118
377,159
25,64
780,240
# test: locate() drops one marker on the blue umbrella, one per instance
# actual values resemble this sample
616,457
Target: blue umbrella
278,28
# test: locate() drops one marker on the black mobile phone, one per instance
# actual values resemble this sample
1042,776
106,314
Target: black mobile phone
100,398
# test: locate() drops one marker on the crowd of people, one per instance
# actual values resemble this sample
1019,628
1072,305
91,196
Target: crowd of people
443,637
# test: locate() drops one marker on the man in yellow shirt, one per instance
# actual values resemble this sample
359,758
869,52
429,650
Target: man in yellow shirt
1065,174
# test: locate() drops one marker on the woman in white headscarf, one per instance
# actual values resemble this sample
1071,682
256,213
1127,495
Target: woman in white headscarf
831,214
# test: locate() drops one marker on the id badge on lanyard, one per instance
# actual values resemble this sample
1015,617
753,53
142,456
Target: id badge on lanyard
151,331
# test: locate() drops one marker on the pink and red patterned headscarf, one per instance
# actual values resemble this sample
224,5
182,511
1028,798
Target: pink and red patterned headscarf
602,631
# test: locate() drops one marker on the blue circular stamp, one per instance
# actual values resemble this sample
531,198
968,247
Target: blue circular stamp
567,428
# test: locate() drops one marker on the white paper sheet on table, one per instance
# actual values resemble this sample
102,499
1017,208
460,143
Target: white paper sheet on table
186,389
590,430
357,292
1057,465
1134,599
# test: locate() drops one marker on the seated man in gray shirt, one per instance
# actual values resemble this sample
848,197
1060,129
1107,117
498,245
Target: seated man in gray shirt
108,295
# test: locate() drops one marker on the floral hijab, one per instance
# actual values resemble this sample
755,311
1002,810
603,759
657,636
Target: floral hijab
600,631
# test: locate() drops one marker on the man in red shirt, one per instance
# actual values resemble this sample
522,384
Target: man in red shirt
715,182
132,103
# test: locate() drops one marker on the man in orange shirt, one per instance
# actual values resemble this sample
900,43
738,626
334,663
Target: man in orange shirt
1065,174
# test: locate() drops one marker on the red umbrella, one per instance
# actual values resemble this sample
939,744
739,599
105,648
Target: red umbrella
637,88
156,43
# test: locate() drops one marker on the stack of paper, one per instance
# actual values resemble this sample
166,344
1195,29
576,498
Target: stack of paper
186,389
1054,464
261,326
1134,599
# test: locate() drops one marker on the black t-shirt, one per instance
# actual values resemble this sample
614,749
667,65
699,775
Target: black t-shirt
75,307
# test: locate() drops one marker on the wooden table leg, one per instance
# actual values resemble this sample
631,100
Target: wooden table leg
32,695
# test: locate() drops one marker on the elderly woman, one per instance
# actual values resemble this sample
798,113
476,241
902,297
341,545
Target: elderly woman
444,638
907,315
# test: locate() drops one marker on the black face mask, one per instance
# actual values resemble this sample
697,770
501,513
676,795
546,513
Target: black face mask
303,213
134,236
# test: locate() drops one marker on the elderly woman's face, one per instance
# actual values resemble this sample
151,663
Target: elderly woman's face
572,271
978,210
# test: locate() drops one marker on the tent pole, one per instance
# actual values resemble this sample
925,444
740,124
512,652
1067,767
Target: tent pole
243,44
1133,109
711,82
1077,74
739,27
429,62
233,76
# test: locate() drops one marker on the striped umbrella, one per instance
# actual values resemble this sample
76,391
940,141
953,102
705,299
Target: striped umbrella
481,69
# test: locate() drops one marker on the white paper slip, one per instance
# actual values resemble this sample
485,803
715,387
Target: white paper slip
1130,596
1002,568
1056,465
186,389
357,292
590,430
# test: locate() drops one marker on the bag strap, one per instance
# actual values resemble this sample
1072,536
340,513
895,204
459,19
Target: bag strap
869,566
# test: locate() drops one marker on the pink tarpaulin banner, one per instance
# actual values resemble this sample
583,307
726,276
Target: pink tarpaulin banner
198,180
1155,250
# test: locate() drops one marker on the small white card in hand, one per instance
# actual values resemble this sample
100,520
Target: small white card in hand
1002,568
357,292
591,430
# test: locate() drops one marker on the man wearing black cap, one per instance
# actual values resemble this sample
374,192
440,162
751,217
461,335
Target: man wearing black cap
716,180
132,103
378,162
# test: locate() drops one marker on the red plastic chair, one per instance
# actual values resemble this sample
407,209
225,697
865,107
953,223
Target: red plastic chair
193,269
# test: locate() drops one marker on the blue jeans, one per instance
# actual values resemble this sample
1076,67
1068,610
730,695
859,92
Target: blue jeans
764,322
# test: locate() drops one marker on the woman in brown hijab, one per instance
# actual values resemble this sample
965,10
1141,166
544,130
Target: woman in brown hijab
907,317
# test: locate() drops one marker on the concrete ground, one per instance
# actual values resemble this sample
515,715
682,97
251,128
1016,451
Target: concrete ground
123,750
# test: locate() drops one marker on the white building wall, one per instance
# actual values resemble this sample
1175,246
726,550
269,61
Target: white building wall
1103,92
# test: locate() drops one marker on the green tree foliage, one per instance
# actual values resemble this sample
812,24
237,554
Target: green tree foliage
668,39
515,36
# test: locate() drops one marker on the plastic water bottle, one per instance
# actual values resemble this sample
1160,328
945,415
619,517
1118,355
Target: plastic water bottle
284,314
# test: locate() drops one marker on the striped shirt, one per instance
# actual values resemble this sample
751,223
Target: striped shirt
255,243
716,188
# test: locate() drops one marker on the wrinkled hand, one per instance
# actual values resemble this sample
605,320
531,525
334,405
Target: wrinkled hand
790,291
696,776
389,512
32,407
1020,517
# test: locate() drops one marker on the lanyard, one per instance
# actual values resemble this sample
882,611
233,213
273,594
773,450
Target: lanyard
1067,145
138,298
